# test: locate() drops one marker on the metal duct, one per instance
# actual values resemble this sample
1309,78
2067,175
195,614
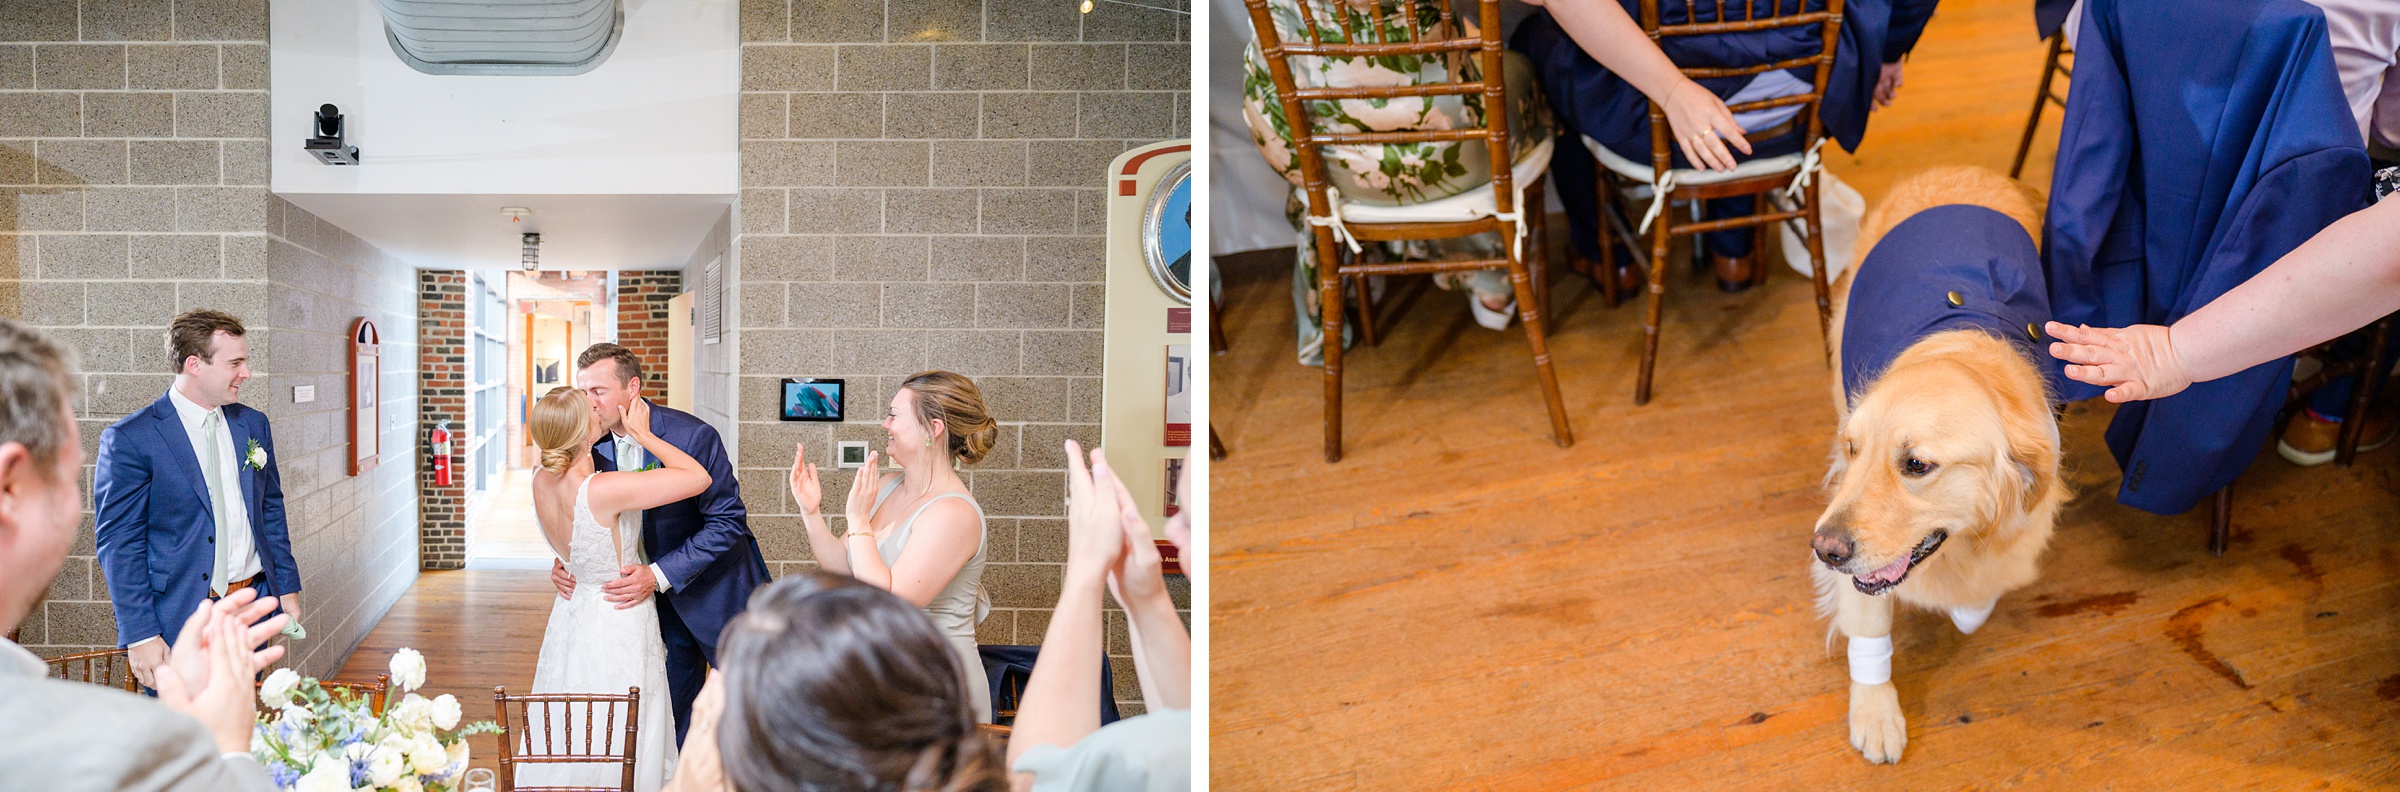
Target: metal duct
503,37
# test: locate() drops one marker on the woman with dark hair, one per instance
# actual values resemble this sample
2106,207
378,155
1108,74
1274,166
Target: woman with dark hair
832,685
917,533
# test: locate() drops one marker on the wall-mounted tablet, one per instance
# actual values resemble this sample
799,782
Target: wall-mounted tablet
812,399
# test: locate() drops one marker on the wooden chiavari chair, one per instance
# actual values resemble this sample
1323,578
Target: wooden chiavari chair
1486,209
598,728
374,693
1789,173
112,667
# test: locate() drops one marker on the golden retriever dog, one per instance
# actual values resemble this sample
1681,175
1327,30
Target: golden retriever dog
1944,479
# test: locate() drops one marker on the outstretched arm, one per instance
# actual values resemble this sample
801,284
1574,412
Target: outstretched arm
1604,31
1057,708
2340,280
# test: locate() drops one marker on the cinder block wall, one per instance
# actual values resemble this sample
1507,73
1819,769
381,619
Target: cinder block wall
133,172
921,189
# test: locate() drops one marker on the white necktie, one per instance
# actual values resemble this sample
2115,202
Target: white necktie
213,472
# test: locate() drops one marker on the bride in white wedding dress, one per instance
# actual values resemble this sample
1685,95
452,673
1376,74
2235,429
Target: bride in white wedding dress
594,645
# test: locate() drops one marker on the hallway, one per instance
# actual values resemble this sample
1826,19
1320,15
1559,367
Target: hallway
504,533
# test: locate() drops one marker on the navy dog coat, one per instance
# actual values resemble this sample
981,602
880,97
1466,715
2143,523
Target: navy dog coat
1946,268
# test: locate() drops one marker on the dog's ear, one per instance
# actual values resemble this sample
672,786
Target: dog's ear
2032,455
1839,456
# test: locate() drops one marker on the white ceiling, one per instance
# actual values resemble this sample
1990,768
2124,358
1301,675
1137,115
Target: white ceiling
579,232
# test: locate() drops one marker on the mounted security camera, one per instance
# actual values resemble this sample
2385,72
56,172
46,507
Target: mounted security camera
327,144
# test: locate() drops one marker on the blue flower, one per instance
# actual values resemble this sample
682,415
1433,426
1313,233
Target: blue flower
283,775
358,774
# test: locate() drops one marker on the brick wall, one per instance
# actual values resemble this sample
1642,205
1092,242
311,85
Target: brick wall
642,319
442,361
133,172
922,189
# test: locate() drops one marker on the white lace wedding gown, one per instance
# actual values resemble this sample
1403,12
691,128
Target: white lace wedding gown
592,646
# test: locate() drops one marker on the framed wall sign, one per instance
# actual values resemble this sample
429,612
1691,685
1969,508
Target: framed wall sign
366,370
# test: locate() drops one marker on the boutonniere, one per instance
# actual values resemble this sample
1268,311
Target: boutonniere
651,465
257,458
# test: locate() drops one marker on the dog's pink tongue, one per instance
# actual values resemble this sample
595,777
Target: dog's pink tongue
1889,573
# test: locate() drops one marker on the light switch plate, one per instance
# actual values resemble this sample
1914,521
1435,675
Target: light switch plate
303,394
850,454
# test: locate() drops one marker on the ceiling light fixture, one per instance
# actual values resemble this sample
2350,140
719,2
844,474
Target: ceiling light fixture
1087,7
533,252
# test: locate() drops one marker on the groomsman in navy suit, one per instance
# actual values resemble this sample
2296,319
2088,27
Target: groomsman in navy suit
187,500
702,559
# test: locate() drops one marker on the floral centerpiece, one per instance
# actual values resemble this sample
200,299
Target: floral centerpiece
314,740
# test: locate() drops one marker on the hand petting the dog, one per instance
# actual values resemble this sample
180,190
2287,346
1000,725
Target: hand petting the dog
2134,363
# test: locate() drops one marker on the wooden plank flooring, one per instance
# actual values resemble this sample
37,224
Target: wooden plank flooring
1460,604
476,627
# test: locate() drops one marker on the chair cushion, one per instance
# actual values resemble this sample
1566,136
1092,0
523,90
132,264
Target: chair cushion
1470,205
1640,171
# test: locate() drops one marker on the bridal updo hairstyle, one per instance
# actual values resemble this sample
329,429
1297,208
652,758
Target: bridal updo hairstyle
832,685
959,404
559,422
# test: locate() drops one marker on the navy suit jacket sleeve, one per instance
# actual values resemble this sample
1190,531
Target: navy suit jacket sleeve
1908,23
120,499
274,535
725,522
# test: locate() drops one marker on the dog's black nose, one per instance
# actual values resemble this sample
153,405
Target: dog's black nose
1833,547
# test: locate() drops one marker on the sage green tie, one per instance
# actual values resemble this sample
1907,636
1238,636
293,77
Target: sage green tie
213,472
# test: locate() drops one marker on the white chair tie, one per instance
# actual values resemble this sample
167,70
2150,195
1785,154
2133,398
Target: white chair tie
1517,218
1809,165
1659,188
1333,203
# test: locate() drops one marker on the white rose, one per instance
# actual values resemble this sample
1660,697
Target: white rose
298,714
327,774
458,754
446,712
408,784
385,766
258,458
414,713
408,669
427,756
277,691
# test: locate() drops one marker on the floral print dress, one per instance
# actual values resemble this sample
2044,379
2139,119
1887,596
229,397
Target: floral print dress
1386,174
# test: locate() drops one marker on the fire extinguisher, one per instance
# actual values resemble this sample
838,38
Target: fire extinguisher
439,442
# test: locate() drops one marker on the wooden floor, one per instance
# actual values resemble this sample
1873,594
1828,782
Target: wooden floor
1460,604
504,526
477,628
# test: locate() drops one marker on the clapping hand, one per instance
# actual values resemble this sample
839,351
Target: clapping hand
2135,363
1703,126
805,490
859,510
1095,533
209,673
1135,573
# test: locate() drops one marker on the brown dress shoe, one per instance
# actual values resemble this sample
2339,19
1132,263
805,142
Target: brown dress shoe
1736,274
2309,441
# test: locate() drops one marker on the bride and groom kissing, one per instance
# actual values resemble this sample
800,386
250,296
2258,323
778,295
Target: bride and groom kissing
640,503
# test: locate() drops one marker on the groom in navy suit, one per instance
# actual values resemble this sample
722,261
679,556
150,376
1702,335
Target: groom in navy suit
187,500
703,560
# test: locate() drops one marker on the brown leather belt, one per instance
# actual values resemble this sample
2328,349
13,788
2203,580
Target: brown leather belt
241,584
